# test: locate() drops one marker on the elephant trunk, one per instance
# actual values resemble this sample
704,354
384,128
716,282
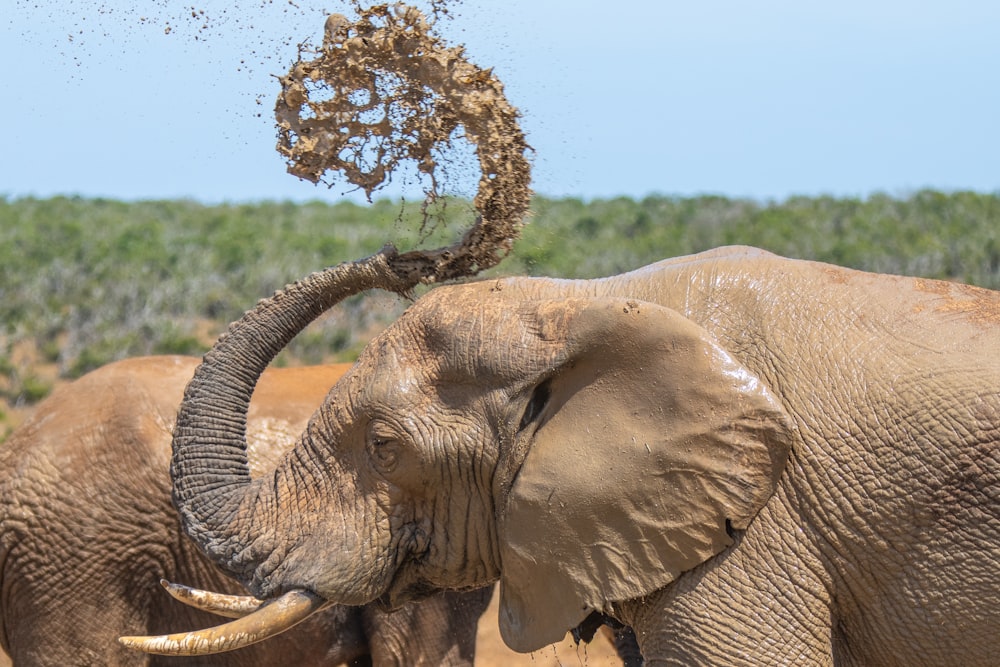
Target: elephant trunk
211,477
212,488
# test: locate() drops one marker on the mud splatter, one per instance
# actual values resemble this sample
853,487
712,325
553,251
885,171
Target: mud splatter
384,90
980,306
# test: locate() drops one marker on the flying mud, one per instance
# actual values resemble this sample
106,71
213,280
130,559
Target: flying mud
384,90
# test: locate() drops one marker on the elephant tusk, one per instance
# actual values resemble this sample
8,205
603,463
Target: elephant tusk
230,606
272,618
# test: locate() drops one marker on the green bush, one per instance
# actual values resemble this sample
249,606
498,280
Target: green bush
33,389
94,280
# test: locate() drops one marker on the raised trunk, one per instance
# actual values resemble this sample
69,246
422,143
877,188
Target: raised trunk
209,468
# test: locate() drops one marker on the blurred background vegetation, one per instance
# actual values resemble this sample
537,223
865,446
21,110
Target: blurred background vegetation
88,281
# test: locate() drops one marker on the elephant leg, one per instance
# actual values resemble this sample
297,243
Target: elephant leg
627,646
622,636
48,640
438,630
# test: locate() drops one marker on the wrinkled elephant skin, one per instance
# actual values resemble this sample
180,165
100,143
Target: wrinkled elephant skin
749,459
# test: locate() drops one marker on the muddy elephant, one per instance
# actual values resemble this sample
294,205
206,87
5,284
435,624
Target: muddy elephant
87,529
750,460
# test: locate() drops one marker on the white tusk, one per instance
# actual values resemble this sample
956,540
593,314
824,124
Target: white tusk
230,606
274,617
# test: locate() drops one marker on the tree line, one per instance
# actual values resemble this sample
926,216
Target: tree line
87,281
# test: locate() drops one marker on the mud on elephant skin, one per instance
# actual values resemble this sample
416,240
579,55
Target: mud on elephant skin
748,459
88,528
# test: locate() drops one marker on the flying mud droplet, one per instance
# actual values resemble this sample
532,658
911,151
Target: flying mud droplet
383,91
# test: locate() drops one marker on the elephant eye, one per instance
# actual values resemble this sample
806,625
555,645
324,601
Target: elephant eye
384,447
536,404
385,453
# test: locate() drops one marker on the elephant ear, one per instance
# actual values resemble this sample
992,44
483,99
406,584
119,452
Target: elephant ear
653,444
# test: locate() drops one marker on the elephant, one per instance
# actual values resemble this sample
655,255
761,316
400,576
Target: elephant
748,459
86,525
622,637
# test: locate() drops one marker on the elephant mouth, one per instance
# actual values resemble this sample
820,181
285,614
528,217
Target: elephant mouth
407,583
404,588
411,545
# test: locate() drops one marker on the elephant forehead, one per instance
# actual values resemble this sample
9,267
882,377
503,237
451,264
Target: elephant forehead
391,372
468,329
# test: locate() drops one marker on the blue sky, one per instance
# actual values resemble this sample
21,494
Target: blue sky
765,100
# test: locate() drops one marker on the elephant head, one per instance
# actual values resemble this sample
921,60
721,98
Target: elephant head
581,448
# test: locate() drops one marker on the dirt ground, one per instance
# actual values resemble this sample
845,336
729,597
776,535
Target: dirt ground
492,652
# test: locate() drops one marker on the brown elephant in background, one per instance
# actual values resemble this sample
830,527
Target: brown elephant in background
748,459
87,528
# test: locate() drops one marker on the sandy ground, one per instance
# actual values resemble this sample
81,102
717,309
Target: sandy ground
492,652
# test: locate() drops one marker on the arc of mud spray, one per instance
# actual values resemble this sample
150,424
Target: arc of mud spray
385,89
